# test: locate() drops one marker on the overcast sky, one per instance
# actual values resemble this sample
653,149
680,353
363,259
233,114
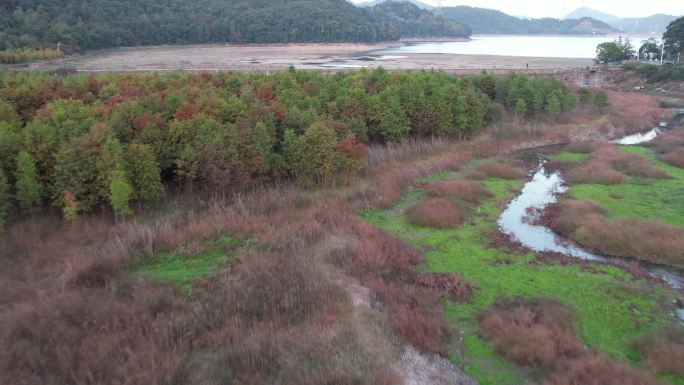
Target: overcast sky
560,8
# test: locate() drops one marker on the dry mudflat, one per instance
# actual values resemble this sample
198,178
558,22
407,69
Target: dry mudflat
273,57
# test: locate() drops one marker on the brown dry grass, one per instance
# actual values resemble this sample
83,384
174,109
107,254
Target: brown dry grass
670,148
496,170
540,334
593,369
663,352
631,112
595,172
608,165
438,213
625,237
537,334
469,191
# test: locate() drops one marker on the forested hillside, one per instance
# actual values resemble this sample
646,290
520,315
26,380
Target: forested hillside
97,24
489,21
83,142
410,20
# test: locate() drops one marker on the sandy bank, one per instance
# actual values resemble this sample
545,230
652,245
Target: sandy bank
326,57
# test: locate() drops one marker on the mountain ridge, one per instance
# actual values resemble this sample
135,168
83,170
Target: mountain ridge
649,24
490,21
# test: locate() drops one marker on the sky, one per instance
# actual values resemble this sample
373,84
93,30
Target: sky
560,8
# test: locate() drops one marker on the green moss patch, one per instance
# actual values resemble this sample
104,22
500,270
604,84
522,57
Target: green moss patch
180,269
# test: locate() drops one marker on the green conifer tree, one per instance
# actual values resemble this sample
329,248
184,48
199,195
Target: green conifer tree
5,202
28,186
144,173
120,192
553,106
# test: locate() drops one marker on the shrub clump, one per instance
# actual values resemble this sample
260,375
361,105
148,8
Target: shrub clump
497,170
438,213
641,239
608,165
663,352
540,334
670,148
595,172
468,191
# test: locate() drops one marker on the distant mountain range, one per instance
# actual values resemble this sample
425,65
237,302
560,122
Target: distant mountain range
489,21
594,14
655,23
372,3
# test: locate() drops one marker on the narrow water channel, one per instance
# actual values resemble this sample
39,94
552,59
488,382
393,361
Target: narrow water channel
544,188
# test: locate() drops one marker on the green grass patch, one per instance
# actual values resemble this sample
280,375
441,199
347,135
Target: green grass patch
182,270
661,200
601,300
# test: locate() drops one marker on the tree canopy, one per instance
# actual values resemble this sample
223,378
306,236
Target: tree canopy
614,51
674,37
81,142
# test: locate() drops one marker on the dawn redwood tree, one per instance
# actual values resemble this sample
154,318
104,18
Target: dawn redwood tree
5,202
70,209
315,154
521,107
553,106
394,124
601,100
120,192
28,187
144,173
585,96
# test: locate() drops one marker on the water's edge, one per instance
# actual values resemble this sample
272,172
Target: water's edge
544,189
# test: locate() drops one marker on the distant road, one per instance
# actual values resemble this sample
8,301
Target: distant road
322,57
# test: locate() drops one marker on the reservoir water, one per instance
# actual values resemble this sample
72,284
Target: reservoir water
518,45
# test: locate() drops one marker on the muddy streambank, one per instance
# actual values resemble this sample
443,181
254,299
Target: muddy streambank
520,221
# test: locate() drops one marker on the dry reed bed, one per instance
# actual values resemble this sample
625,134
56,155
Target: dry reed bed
608,165
663,352
541,335
645,240
670,148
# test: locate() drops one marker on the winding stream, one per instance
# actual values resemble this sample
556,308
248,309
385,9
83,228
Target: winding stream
544,188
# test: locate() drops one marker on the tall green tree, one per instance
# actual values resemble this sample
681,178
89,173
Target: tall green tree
553,106
144,173
5,202
521,107
394,124
674,38
613,51
29,189
601,100
315,154
120,192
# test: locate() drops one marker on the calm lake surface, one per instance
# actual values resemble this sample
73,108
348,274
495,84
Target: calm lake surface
520,45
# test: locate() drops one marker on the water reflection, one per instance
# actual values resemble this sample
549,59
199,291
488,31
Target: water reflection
535,196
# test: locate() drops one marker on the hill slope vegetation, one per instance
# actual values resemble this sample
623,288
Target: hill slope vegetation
100,24
411,20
